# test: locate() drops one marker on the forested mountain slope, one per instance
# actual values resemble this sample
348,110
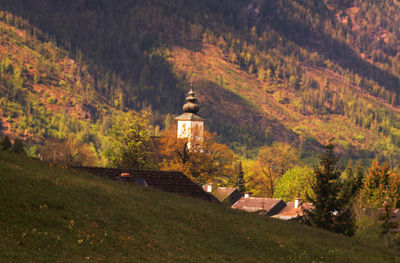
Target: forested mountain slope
297,71
40,84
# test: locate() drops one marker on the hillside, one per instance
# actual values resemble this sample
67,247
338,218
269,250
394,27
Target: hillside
55,215
298,71
43,92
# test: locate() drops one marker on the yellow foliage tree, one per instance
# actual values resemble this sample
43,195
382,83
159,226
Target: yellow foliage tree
272,162
205,161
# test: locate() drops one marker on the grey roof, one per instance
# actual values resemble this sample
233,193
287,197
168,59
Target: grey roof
189,117
168,181
269,206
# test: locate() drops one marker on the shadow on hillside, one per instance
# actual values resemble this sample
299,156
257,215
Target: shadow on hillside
119,50
236,120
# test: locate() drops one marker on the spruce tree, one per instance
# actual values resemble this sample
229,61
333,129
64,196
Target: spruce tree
240,176
18,147
5,143
331,209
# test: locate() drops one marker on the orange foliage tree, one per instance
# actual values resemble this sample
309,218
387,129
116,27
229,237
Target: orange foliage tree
379,184
205,161
272,162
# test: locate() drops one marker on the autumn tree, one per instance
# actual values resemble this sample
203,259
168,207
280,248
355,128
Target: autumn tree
332,211
70,151
379,184
206,161
130,141
272,162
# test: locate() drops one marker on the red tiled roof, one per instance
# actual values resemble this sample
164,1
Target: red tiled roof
269,206
168,181
290,212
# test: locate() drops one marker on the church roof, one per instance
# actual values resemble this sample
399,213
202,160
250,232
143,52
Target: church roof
189,117
191,108
191,105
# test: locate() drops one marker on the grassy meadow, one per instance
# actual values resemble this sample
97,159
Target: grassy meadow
55,215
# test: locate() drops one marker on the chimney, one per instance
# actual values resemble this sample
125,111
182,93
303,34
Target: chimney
247,195
297,202
209,188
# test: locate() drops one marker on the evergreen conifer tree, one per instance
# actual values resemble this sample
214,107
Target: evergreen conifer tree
5,143
332,210
240,176
18,147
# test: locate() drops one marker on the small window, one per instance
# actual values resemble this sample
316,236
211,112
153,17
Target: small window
141,182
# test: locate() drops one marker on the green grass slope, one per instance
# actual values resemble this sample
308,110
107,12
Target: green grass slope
53,215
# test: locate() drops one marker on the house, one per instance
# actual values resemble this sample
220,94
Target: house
228,195
293,210
262,205
167,181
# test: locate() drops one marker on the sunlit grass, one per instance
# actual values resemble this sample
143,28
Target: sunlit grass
54,215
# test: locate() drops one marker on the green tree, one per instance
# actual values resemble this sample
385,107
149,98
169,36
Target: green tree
18,147
297,182
131,141
332,211
352,180
240,178
5,143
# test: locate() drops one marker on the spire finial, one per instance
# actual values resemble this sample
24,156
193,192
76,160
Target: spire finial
191,105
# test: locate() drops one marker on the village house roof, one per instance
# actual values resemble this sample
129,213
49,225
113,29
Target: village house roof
268,206
225,194
290,212
168,181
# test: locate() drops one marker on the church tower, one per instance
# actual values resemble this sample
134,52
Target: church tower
190,125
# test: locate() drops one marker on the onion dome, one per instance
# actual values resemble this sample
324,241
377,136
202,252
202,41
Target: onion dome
191,105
